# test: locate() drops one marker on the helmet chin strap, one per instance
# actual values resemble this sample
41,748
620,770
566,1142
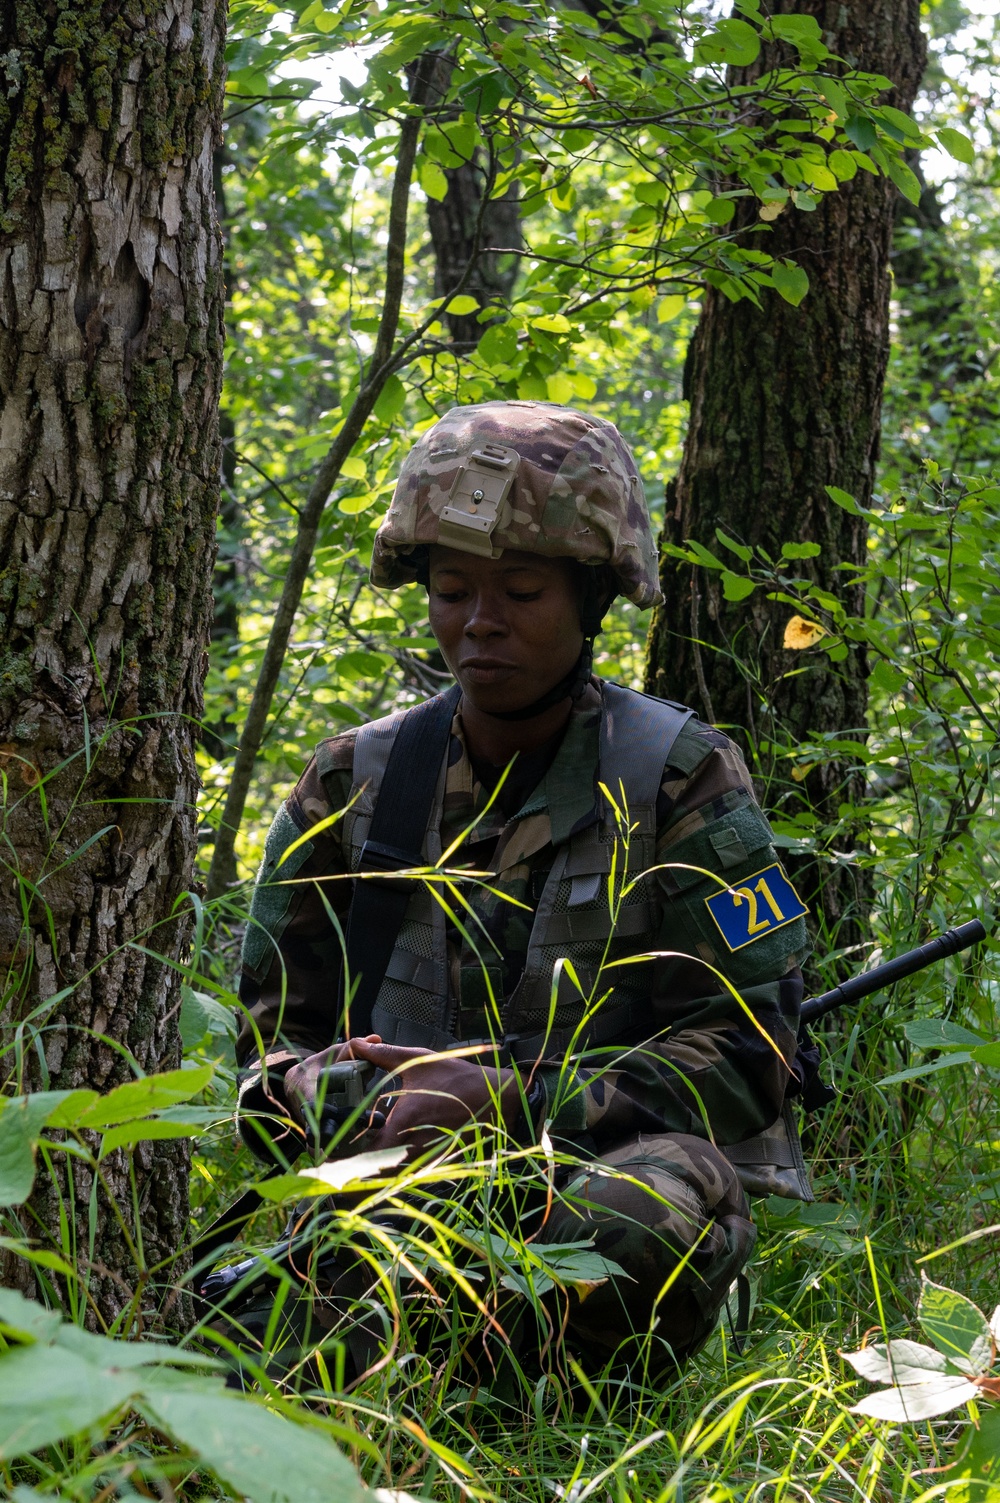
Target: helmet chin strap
570,687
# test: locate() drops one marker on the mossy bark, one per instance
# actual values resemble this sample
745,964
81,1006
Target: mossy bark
784,402
110,362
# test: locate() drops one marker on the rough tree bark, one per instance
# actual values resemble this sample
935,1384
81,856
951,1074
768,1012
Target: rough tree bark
110,361
785,401
465,231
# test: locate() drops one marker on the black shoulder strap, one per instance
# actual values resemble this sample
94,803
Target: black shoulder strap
395,842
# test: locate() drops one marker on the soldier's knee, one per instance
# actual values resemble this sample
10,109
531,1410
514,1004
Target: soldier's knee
670,1210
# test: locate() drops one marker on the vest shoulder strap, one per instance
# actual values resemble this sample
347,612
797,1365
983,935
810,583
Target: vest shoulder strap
638,733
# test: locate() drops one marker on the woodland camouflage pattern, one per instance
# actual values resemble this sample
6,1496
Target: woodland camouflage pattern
577,493
650,1183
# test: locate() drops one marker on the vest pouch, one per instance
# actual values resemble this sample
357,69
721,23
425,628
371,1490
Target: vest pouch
771,1162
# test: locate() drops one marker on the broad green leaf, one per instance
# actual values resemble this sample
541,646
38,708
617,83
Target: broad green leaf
742,552
21,1122
355,665
987,1054
25,1319
936,1033
899,1362
735,587
843,499
860,130
432,179
552,323
256,1452
918,1401
905,179
733,42
800,550
498,345
460,305
790,281
843,165
203,1016
956,1326
560,388
137,1098
352,506
957,144
979,1462
130,1133
917,1072
392,398
669,308
703,556
903,123
48,1394
354,467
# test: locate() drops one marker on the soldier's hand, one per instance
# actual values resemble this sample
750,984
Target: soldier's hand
302,1080
432,1092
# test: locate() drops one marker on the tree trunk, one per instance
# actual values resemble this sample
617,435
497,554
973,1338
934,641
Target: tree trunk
785,401
110,363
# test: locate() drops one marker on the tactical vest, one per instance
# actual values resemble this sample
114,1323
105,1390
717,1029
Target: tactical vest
573,922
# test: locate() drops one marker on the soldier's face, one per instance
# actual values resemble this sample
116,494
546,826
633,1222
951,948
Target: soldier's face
508,627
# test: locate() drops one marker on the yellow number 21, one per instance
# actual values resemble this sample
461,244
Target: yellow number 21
757,926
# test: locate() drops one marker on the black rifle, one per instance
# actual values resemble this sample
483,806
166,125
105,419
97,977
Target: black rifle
881,976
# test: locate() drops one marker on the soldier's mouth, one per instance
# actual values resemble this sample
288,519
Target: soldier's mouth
486,670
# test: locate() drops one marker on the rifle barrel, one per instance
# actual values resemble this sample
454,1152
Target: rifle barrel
948,943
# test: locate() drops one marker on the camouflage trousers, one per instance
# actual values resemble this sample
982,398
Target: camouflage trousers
668,1209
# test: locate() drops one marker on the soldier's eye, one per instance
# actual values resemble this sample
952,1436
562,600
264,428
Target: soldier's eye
451,597
520,595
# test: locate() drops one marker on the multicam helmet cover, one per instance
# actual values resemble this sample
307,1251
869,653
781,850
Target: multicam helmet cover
526,475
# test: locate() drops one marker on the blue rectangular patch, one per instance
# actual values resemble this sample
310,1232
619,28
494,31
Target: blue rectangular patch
762,903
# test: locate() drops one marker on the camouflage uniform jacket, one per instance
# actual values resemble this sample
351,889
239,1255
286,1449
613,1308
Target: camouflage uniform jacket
704,1061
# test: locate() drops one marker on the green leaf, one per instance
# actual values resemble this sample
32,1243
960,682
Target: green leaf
800,550
843,165
708,560
354,467
742,552
256,1452
790,281
392,397
21,1122
843,499
905,179
978,1462
351,506
151,1094
460,305
956,1326
987,1054
735,587
720,210
733,42
339,1174
48,1394
498,345
131,1133
552,323
957,144
903,123
432,179
917,1072
860,130
202,1017
833,93
560,388
668,308
936,1033
355,665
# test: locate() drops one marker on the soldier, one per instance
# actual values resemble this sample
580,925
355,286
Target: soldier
523,520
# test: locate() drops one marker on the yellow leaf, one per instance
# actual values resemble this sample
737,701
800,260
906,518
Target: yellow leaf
802,771
770,211
669,308
801,633
559,388
354,468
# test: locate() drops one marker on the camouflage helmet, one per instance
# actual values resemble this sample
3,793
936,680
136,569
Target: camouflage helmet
525,475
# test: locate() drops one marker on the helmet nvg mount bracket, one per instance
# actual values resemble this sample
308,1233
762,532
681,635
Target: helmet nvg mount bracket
528,476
